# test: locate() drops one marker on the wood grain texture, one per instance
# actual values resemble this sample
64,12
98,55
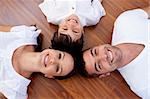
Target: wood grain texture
17,12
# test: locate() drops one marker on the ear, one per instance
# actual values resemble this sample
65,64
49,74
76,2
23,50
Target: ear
49,76
83,31
104,75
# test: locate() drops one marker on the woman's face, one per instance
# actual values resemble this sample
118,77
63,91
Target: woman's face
55,63
71,26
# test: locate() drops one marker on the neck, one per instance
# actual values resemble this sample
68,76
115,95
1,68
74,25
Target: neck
26,62
129,53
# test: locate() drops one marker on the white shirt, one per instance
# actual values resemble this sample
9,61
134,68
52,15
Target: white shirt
12,84
57,10
133,27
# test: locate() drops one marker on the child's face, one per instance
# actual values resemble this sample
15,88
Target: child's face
71,26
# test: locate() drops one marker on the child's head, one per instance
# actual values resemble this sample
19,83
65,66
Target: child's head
71,26
64,43
69,36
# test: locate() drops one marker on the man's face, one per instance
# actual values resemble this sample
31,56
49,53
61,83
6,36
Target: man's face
71,26
55,63
102,59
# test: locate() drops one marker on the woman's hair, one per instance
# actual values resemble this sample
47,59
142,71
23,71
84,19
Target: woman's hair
64,42
66,76
38,48
80,66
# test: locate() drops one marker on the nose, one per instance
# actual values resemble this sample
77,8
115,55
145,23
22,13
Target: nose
71,23
53,61
101,58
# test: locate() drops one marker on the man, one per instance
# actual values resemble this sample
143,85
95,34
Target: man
128,52
71,16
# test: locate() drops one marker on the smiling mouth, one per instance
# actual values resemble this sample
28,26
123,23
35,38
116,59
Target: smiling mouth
73,20
110,55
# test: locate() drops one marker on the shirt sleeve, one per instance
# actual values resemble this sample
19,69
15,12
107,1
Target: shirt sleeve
47,8
98,12
131,27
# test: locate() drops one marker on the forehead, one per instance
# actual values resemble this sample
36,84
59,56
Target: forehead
89,61
67,64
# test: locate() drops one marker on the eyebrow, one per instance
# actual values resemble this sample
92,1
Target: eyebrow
96,67
63,55
92,52
61,65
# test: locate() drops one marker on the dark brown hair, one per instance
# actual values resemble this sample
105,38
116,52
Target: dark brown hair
64,42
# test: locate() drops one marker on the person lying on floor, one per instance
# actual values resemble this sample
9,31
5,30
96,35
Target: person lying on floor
71,16
129,52
19,59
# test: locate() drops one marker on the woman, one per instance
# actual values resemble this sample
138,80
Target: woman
18,60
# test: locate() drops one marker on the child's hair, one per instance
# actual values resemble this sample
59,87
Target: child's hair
64,42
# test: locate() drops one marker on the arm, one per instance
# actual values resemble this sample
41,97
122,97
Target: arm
96,12
147,9
5,28
2,96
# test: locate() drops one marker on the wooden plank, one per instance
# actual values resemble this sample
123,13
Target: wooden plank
16,12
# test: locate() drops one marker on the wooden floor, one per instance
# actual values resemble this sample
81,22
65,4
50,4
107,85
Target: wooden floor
17,12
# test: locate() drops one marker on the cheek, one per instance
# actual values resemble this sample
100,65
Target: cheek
49,70
107,66
90,69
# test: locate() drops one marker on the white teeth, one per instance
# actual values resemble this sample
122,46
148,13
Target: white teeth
73,20
110,55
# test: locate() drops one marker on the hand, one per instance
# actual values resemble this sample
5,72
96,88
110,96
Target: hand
104,75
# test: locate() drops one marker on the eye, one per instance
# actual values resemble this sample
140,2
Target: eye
57,68
75,31
97,67
59,56
65,29
95,52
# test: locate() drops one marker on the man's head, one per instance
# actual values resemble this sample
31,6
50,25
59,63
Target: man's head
102,59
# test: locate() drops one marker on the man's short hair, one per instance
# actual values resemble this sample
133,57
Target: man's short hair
80,66
64,42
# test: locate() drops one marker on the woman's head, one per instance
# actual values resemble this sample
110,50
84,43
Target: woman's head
55,63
